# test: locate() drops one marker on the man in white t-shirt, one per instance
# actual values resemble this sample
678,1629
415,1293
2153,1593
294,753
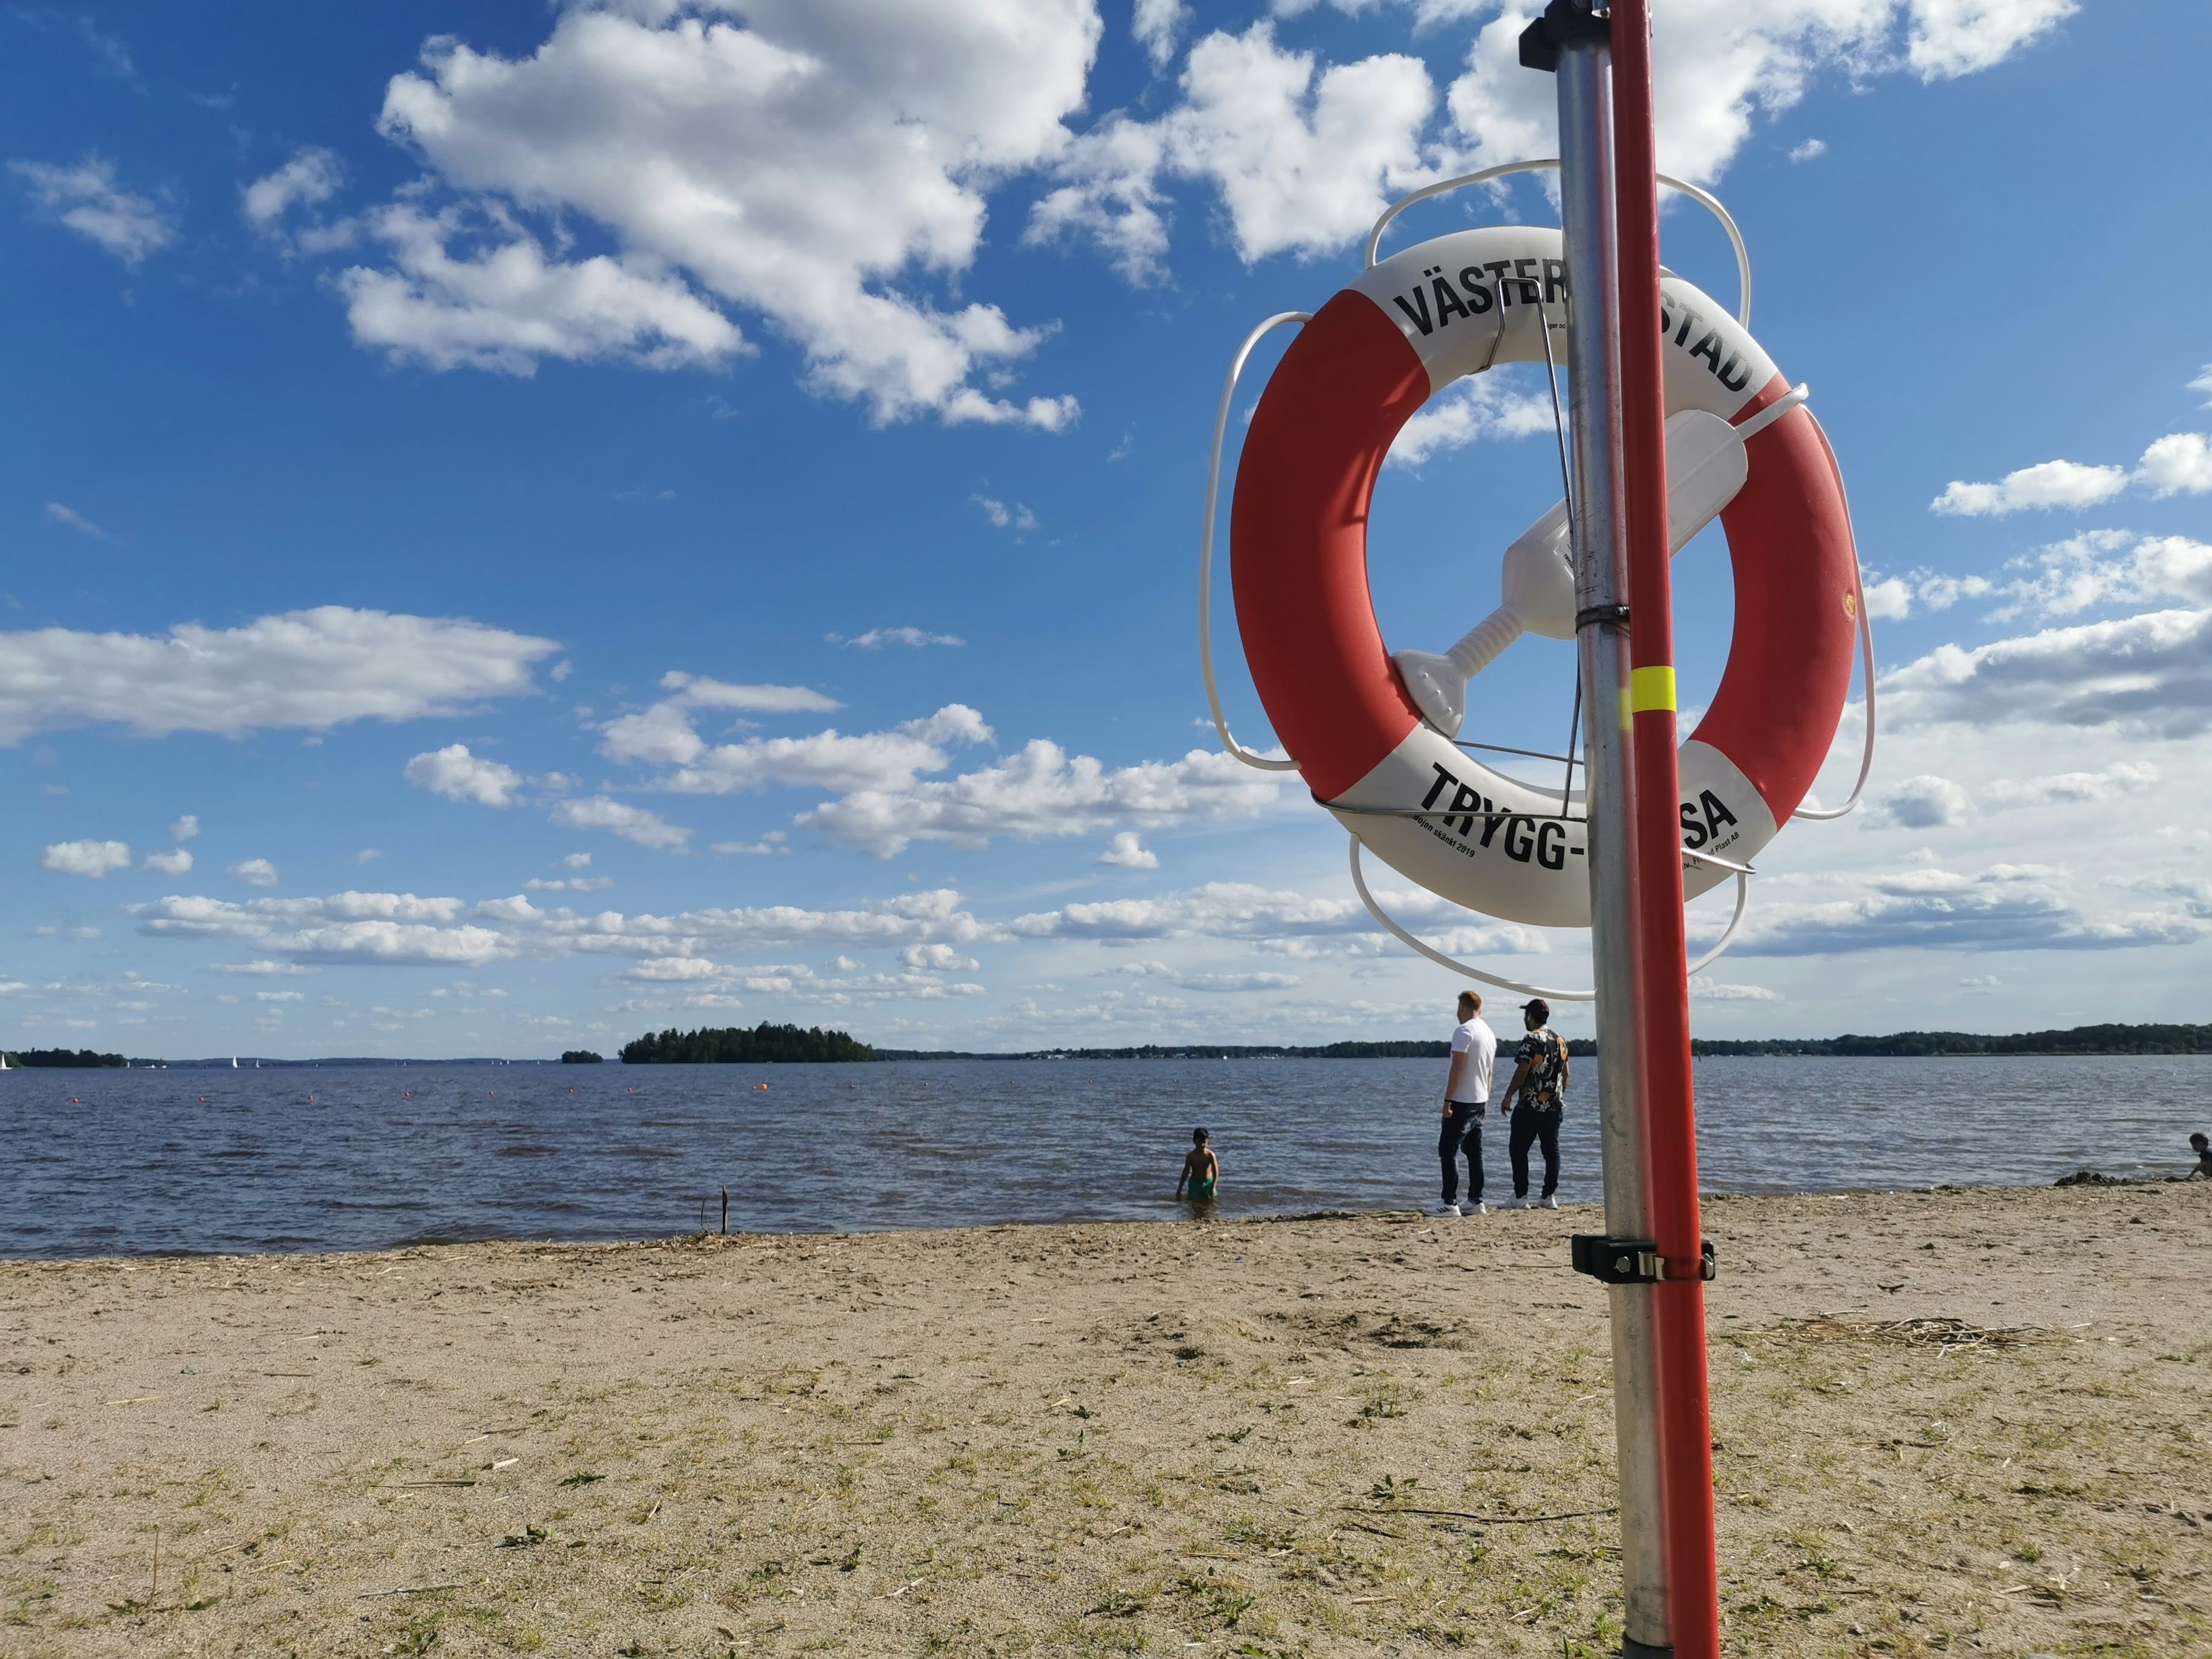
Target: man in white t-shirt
1467,1092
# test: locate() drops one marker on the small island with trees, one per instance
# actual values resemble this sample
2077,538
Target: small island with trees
582,1057
736,1046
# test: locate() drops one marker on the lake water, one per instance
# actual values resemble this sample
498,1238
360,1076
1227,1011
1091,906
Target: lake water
98,1163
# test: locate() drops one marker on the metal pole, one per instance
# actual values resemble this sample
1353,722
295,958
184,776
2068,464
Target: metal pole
1678,1301
1573,42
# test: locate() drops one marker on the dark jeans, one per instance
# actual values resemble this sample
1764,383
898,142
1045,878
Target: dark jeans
1463,1130
1529,1125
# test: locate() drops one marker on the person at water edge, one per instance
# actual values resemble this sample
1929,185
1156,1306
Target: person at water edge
1536,1100
1467,1093
2202,1148
1200,1169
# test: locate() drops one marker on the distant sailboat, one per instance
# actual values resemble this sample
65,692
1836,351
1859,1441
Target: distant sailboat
4,1062
234,1062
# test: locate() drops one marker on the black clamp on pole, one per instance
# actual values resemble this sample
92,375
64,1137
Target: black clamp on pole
1636,1261
1562,23
1600,616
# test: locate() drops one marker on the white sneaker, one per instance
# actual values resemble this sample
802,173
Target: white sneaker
1547,1202
1474,1209
1512,1203
1442,1210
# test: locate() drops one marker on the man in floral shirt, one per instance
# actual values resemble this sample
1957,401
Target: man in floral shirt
1536,1099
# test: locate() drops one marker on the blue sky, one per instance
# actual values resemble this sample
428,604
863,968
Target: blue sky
530,525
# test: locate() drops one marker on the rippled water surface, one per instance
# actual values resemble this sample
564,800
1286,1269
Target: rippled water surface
114,1162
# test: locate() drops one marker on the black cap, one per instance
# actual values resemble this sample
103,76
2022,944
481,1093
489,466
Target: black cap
1539,1007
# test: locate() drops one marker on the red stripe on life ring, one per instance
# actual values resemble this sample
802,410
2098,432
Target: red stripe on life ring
1790,655
1298,542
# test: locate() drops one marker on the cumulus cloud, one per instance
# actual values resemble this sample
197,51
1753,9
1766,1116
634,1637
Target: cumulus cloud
1811,150
1926,802
175,862
501,304
254,872
803,164
87,857
311,669
1155,24
261,968
1483,406
457,775
876,638
636,823
2104,567
1717,68
402,929
2120,778
185,828
1304,156
938,958
2151,672
2047,485
2178,463
87,198
1128,852
1704,988
1005,516
311,178
1040,793
1266,916
2007,907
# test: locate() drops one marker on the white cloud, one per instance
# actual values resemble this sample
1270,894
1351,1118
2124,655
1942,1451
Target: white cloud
1127,852
311,178
1040,793
1238,982
1303,156
264,967
280,996
368,856
2150,672
1239,910
312,669
2047,485
1717,65
185,828
767,847
2103,567
401,928
87,857
1706,988
1890,600
254,872
698,692
86,199
798,165
1811,150
2177,464
457,775
2203,383
938,958
175,862
1484,406
1155,24
2120,778
1925,802
58,514
876,638
664,735
2006,907
577,861
1005,516
631,823
502,305
568,884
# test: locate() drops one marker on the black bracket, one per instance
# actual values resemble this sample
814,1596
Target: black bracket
1636,1261
1602,616
1563,23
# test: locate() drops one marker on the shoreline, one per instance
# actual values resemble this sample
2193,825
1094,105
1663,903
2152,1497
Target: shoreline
1956,1420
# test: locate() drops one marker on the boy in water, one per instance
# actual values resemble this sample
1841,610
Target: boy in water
1200,1169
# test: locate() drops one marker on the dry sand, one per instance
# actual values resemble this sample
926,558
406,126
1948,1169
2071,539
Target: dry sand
1959,1421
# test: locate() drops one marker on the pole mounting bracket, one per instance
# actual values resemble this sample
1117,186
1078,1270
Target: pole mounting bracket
1636,1261
1562,24
1600,616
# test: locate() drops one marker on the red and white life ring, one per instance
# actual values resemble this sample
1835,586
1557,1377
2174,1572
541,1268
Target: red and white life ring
1358,370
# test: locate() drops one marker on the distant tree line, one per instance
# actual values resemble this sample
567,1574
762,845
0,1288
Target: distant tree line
62,1057
2078,1040
736,1046
582,1057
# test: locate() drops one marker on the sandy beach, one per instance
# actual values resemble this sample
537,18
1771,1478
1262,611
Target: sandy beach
1959,1421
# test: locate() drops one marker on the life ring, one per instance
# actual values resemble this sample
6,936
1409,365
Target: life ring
1358,370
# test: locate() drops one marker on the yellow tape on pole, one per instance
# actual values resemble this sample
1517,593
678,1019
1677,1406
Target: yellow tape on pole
1650,688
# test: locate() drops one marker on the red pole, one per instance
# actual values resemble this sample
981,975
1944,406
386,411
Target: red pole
1662,987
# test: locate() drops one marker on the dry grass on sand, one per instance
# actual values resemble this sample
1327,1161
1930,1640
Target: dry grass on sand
1957,1422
